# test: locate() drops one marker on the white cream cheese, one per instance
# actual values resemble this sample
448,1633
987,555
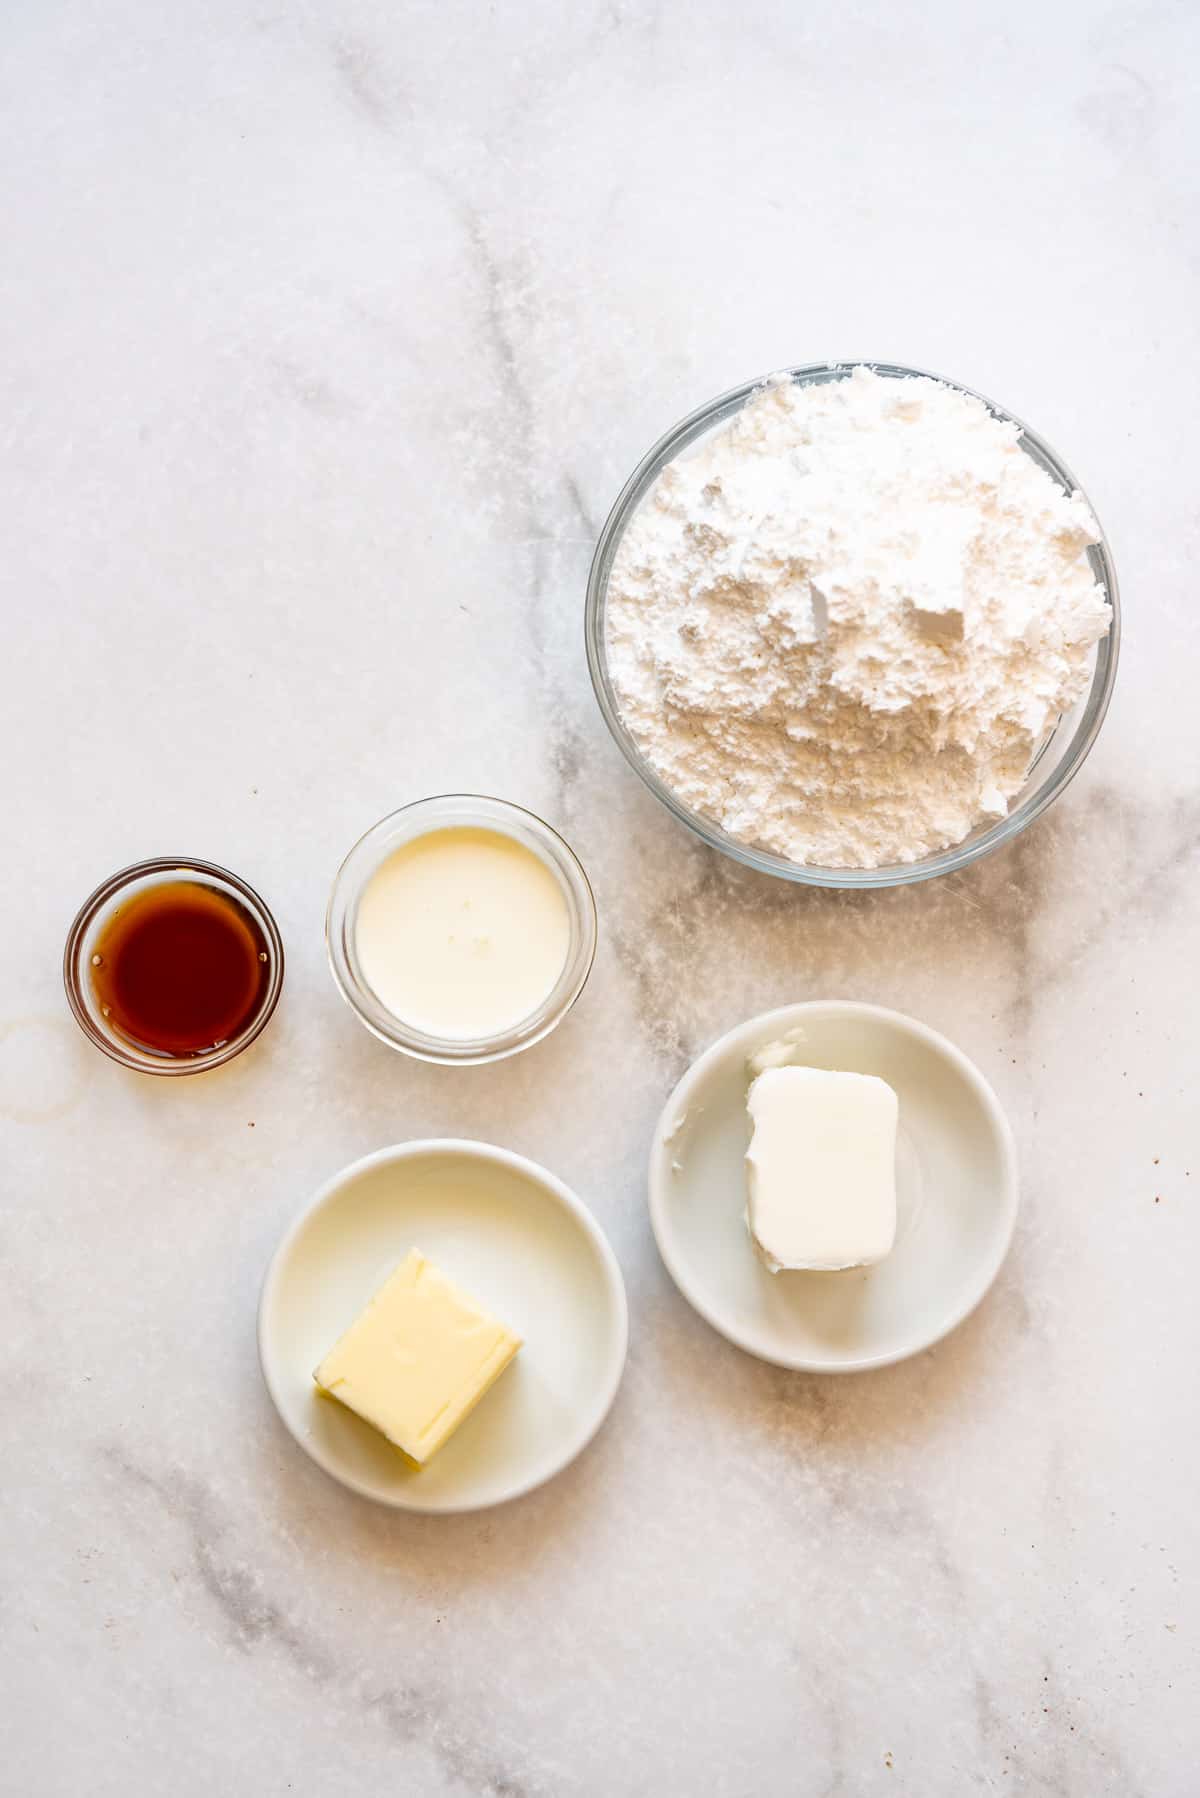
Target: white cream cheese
462,932
821,1168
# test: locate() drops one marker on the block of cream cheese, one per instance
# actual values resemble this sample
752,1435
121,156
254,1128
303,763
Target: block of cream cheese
417,1359
821,1168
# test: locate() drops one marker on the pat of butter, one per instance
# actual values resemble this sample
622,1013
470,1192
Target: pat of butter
417,1359
821,1168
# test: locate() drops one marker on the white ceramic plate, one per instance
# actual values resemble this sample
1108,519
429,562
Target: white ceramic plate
517,1240
956,1194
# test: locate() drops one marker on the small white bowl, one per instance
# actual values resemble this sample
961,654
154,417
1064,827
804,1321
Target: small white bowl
956,1194
512,1236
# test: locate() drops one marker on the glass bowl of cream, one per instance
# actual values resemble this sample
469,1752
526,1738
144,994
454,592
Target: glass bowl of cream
1053,762
461,929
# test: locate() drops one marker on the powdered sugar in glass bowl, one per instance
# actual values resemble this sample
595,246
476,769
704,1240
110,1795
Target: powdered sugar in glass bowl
1058,755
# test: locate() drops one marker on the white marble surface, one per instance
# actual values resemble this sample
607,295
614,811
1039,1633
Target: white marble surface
331,331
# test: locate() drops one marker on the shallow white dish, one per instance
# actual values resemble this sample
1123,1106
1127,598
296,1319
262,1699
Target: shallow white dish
516,1239
956,1194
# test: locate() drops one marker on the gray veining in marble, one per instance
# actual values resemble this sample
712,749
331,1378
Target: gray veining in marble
331,332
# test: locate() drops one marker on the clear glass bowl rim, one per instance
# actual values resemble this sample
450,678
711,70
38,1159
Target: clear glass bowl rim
946,861
145,1062
447,810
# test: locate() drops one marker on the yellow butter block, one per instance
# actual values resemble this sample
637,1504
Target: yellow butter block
418,1359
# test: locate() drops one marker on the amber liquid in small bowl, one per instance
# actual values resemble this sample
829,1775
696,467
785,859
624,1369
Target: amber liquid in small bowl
180,968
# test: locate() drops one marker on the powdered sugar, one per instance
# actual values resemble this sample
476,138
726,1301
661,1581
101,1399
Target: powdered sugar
842,625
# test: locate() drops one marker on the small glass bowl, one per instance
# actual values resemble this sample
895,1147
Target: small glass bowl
1059,757
94,914
449,811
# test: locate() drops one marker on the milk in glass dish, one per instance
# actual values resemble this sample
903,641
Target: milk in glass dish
461,929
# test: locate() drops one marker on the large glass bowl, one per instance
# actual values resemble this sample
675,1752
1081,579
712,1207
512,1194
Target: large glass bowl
1057,760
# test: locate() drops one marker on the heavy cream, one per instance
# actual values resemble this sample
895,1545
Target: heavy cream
462,933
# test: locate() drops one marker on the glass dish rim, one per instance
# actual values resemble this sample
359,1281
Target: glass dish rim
946,861
128,876
468,1051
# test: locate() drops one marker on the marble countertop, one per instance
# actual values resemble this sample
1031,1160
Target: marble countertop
332,331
